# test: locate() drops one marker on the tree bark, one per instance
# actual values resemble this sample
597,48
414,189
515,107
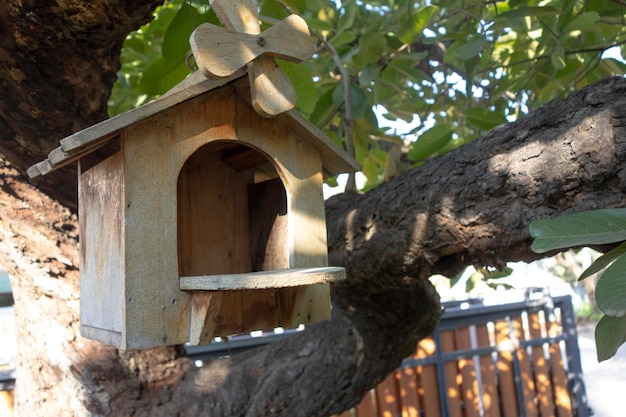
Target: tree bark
471,206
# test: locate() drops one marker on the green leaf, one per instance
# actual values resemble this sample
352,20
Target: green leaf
484,119
525,11
430,142
162,75
610,335
325,109
346,20
176,38
471,48
603,261
595,227
303,84
371,48
370,169
416,23
343,38
359,99
583,21
298,6
558,57
611,289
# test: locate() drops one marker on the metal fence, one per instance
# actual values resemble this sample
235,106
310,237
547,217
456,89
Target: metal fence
512,360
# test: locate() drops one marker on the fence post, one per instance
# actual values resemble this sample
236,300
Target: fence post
575,377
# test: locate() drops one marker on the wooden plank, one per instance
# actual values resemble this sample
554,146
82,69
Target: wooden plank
490,398
469,382
239,16
409,396
387,397
452,376
541,368
220,52
506,374
269,249
102,251
562,397
428,388
528,382
205,306
263,279
271,90
366,408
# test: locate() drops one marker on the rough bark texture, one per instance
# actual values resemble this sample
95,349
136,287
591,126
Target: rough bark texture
59,62
472,206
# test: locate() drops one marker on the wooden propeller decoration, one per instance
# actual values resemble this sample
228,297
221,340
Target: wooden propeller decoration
220,52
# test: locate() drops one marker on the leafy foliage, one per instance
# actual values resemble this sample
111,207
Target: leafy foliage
592,228
452,68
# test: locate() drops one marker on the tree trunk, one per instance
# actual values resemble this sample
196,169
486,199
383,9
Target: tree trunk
471,206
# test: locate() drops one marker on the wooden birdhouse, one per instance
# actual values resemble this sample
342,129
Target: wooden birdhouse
201,217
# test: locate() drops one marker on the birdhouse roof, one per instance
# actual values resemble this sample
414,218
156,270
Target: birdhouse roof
84,142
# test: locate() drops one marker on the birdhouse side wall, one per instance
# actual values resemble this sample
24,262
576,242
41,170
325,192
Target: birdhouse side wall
155,150
102,263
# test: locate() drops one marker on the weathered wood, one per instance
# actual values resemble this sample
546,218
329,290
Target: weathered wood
205,307
220,52
269,247
102,251
263,279
271,89
81,143
239,16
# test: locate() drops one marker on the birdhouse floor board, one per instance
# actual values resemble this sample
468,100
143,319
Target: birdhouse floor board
264,279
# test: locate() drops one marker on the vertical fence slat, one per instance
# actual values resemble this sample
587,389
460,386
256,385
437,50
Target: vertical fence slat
540,366
506,374
366,407
427,379
491,401
469,381
528,382
387,397
562,398
409,398
451,372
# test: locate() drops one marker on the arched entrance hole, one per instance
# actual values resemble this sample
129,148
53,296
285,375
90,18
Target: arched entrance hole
232,212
